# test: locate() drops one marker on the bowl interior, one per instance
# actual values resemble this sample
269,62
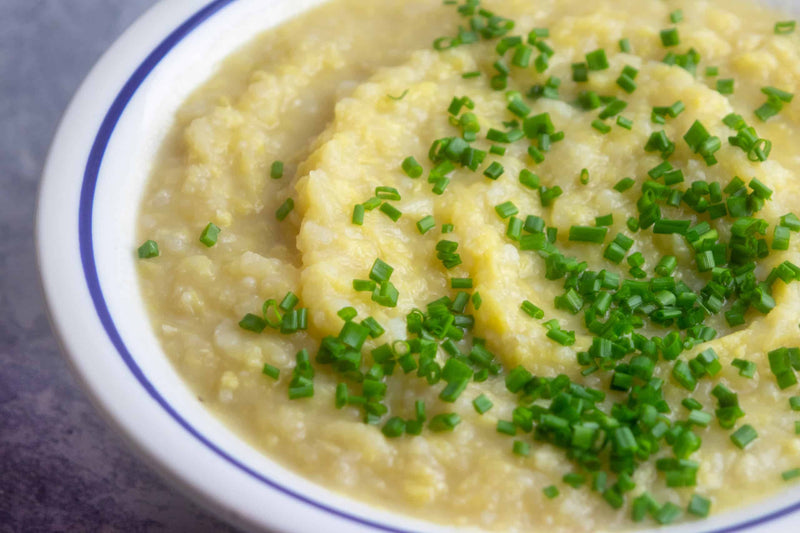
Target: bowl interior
166,69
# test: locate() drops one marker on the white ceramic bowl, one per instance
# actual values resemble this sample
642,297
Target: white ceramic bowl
88,204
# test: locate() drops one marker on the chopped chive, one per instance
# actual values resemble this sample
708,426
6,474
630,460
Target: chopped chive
699,418
398,97
669,37
643,504
461,283
548,196
253,323
528,179
391,211
684,376
514,229
627,83
785,27
380,271
676,16
781,237
613,108
210,234
791,474
597,60
284,210
580,72
624,122
375,329
746,368
271,371
364,285
772,92
573,479
394,427
791,221
759,189
425,224
725,86
535,154
699,506
506,427
712,71
522,56
794,403
476,300
506,209
551,492
584,177
148,250
471,74
358,214
387,193
666,226
372,203
624,184
444,422
605,220
668,513
276,171
625,45
532,310
411,167
601,126
696,135
521,448
587,234
744,436
289,302
564,338
482,404
538,33
494,170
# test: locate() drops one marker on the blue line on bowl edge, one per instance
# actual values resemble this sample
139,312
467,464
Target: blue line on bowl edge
85,237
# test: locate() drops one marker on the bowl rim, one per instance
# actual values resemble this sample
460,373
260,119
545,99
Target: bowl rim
91,175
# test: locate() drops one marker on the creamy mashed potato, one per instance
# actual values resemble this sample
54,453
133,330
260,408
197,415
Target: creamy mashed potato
342,96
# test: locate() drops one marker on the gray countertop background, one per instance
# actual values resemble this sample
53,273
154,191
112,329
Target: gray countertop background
61,467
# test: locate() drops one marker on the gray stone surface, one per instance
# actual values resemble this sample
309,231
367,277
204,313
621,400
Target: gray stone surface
61,468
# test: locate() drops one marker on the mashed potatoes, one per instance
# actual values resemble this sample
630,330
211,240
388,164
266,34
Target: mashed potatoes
342,97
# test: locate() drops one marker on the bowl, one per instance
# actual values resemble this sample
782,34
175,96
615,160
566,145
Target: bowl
88,203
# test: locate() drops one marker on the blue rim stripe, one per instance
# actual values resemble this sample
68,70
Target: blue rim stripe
86,241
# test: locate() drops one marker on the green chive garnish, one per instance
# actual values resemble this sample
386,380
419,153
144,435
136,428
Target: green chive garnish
670,37
506,209
785,27
482,404
276,170
551,492
209,235
744,436
425,224
358,214
148,250
597,60
725,86
390,211
587,234
284,210
411,167
271,371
